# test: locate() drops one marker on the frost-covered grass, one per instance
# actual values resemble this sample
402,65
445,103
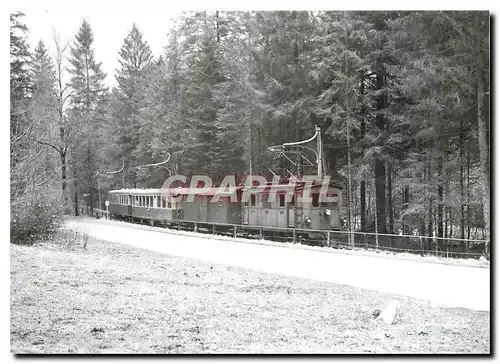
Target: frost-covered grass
357,251
112,298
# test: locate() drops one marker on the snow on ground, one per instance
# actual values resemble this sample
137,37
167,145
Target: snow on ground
441,284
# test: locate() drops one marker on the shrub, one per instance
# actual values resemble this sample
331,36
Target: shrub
34,219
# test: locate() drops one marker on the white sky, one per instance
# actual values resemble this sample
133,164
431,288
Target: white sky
109,25
111,20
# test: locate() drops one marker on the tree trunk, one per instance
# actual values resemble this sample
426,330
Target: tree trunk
380,195
483,136
64,181
77,212
461,161
389,199
430,228
451,222
379,163
446,215
362,185
362,191
440,212
468,196
217,25
406,201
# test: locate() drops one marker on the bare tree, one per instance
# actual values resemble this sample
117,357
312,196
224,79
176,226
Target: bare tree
58,135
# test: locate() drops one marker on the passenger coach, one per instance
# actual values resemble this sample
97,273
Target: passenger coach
253,209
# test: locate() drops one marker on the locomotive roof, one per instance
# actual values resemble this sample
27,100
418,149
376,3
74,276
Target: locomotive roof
297,187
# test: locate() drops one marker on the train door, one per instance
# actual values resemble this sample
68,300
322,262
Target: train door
204,213
221,209
129,207
291,212
252,207
246,214
282,211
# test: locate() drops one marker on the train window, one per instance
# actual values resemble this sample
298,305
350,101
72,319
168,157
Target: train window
315,199
151,201
252,200
282,200
158,201
164,202
169,205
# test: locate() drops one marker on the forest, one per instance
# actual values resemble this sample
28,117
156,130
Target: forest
402,100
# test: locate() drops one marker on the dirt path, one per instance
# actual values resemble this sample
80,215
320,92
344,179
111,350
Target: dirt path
444,285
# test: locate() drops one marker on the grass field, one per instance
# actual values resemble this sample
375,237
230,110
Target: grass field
112,298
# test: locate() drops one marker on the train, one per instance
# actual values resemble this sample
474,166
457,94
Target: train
279,207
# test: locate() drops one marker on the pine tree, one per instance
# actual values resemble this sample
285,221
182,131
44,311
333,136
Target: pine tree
202,76
88,97
44,103
135,59
19,87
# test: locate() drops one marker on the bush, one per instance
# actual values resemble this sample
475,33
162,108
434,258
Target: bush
34,219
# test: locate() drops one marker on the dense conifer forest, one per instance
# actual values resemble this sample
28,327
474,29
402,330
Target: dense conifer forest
402,99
